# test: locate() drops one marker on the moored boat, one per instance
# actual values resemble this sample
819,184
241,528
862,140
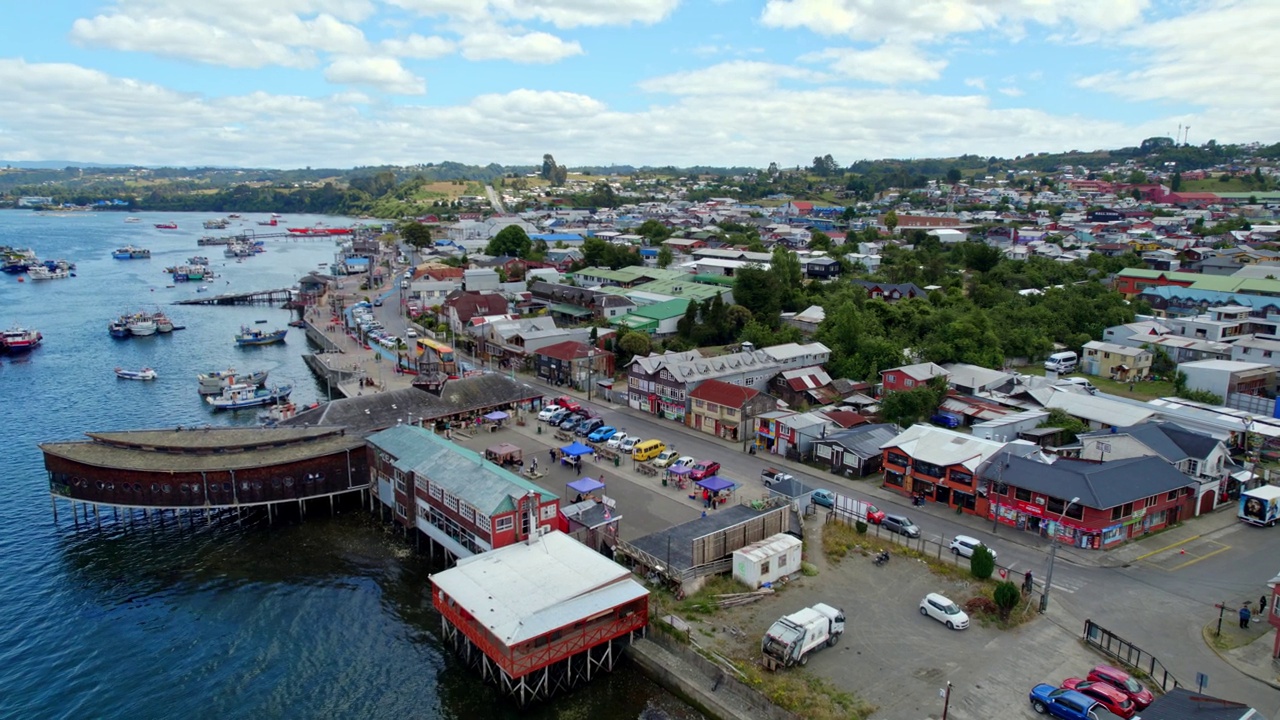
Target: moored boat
244,396
213,383
143,374
40,272
167,226
20,339
129,252
118,328
162,321
133,220
253,336
141,324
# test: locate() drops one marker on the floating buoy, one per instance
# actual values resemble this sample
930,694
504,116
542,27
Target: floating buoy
1182,552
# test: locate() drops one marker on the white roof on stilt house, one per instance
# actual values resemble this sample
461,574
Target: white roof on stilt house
524,590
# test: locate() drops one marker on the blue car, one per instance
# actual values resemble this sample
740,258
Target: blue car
824,497
602,433
1068,704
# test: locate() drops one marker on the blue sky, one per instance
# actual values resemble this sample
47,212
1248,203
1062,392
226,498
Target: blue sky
291,83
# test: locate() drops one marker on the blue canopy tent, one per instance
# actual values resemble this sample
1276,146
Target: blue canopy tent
576,448
717,486
584,487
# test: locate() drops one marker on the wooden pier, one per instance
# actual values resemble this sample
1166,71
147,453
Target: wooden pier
268,297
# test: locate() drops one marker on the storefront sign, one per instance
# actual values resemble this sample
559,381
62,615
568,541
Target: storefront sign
1028,508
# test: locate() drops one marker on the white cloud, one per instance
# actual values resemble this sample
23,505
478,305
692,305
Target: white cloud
976,82
499,43
235,33
47,108
889,63
1011,91
879,20
1202,58
419,47
560,13
382,73
736,77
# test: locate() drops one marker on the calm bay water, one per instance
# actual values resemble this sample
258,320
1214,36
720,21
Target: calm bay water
327,618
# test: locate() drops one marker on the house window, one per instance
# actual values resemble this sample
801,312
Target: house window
899,459
1054,506
548,511
962,478
468,512
1076,511
400,484
699,404
505,523
1193,467
730,412
1122,512
782,561
401,510
450,501
908,383
764,567
436,491
712,407
751,381
483,521
1173,495
1022,494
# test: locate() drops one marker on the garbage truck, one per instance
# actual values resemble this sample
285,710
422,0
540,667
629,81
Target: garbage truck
791,639
1260,506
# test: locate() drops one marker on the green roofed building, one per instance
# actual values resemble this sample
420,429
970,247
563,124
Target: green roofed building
625,277
657,319
686,288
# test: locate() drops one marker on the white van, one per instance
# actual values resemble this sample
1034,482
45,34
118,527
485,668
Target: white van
1062,362
1080,383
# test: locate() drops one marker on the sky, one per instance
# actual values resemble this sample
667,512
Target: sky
343,83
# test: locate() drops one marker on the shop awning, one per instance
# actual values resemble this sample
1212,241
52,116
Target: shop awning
715,483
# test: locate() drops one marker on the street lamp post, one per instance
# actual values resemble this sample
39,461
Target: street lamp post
591,371
1053,555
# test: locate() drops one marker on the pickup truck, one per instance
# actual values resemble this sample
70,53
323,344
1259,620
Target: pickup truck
771,477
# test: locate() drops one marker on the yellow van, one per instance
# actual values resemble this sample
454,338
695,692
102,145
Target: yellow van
647,450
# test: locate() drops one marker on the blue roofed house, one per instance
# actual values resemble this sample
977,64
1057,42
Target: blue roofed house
452,495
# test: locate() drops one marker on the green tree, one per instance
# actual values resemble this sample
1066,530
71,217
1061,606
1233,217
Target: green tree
891,221
511,240
981,564
1175,184
635,344
819,240
665,257
1006,597
953,175
415,234
1070,426
785,268
757,290
653,231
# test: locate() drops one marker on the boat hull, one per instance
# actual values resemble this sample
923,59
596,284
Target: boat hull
237,400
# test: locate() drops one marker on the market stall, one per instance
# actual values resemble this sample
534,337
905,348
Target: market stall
504,454
584,489
715,490
678,475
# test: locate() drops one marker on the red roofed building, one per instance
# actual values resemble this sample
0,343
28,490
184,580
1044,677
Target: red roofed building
573,363
720,408
460,306
844,418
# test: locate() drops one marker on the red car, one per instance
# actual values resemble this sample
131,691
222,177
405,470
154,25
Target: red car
1123,682
568,403
704,469
1111,697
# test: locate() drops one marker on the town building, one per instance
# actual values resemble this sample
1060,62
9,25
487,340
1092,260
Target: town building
1117,362
540,617
1114,500
452,495
1197,455
854,452
573,363
1225,378
940,465
910,377
890,292
722,409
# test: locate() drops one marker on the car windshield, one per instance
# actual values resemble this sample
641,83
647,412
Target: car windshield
950,609
1132,685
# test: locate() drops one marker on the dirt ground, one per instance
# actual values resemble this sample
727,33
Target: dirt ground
897,659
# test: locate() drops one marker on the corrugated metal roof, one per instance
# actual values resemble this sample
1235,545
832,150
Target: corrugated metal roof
525,590
768,547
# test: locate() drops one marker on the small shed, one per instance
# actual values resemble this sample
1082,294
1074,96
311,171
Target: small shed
768,560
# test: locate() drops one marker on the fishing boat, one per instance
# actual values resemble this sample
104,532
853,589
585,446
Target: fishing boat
272,416
213,383
219,224
133,220
244,396
269,223
253,336
167,226
298,323
20,339
202,288
143,374
118,328
162,321
210,240
129,252
142,325
40,272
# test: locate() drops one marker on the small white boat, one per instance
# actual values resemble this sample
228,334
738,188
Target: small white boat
242,396
143,374
203,288
142,325
213,383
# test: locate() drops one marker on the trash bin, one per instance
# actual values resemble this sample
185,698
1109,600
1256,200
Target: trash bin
664,481
617,460
539,430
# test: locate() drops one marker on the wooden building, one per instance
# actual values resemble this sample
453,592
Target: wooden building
206,468
540,617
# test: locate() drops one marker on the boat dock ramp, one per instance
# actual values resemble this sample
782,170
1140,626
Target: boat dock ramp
258,297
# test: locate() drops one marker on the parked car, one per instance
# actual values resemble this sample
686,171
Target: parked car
545,414
411,333
900,524
602,433
1110,697
772,476
557,417
569,421
704,469
665,458
377,302
1066,704
964,545
628,445
940,608
616,441
568,403
824,497
1124,682
684,461
945,420
588,426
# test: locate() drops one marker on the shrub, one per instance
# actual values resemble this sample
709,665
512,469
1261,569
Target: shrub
981,564
1006,597
980,604
861,527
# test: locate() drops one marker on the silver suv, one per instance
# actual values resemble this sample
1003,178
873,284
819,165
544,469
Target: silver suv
900,524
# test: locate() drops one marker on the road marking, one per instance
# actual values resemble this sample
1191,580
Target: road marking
1166,547
1206,556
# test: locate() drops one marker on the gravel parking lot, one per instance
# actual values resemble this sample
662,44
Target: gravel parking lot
899,660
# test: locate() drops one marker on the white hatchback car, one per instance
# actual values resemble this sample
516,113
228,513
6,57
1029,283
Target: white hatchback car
963,545
684,461
944,611
617,440
545,414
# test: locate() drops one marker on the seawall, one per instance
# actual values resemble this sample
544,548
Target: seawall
712,690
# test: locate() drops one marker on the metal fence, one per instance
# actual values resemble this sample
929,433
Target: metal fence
1129,654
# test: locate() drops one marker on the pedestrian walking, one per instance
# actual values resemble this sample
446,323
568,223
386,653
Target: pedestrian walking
577,468
1262,605
535,465
595,457
552,454
1027,583
1244,616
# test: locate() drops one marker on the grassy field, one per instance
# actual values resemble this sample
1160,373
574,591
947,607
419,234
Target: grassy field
1213,184
1147,390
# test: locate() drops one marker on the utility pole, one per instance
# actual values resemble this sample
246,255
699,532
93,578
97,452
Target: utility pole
946,700
1053,556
